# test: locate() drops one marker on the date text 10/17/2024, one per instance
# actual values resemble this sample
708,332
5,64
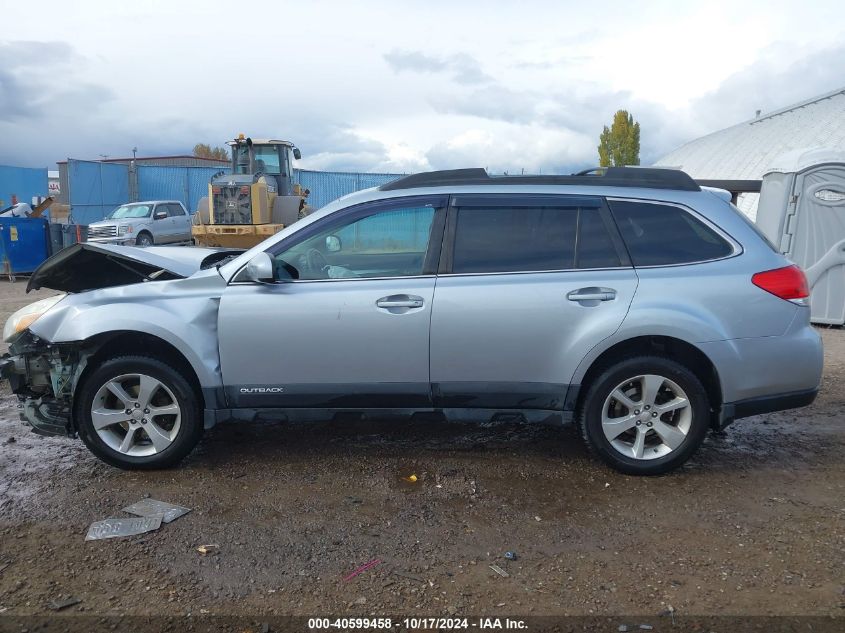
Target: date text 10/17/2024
417,623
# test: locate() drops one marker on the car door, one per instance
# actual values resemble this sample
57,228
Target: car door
527,286
181,227
162,228
347,324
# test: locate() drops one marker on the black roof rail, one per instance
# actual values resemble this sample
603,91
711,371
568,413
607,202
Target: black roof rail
734,186
646,177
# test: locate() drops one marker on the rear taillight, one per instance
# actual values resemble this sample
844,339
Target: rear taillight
787,283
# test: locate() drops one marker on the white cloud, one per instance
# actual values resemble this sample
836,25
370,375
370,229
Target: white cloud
378,85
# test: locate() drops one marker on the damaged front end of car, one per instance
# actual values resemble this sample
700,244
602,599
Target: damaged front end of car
106,296
43,376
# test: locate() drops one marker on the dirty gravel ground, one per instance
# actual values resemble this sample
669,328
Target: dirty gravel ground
754,525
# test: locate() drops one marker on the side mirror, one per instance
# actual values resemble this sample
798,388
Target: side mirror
296,153
159,215
333,244
260,269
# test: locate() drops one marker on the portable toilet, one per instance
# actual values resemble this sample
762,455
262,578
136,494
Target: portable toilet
802,212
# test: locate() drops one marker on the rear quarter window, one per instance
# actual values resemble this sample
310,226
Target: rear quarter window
664,234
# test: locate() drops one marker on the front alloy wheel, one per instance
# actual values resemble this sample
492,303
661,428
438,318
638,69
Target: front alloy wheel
144,239
138,412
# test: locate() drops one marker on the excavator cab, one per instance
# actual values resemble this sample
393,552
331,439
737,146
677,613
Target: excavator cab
270,158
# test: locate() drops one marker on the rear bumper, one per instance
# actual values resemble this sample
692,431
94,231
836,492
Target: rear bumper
765,404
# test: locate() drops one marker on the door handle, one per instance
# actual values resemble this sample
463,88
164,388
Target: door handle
592,294
400,301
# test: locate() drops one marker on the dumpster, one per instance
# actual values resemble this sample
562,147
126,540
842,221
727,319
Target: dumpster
56,240
73,233
24,244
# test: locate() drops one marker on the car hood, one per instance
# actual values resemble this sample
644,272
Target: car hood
108,222
88,266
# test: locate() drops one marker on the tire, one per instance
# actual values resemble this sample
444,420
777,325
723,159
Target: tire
639,439
144,239
165,425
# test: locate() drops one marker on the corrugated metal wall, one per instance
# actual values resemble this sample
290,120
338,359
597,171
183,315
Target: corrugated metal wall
187,184
95,189
326,186
22,182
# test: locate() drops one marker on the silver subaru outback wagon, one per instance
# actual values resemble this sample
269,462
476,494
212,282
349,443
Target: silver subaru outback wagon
632,301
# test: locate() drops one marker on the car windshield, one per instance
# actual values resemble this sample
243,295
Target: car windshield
131,211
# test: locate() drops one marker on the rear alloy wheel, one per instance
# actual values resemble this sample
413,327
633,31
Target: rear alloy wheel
136,412
645,416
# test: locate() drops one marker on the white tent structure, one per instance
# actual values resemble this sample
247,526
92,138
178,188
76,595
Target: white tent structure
802,212
748,150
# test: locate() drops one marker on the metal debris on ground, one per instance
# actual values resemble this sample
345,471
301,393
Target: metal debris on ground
58,605
499,571
362,568
510,555
152,507
207,549
114,527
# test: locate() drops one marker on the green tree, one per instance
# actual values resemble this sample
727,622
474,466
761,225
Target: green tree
619,145
203,150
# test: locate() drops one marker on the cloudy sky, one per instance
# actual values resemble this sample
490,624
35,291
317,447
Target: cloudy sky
401,85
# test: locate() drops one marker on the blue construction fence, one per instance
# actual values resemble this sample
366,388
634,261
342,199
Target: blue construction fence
96,188
187,184
327,186
21,183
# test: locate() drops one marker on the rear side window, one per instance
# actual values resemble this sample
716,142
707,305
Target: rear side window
504,239
663,234
595,248
510,240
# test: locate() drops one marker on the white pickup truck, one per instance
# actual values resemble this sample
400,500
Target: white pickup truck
144,224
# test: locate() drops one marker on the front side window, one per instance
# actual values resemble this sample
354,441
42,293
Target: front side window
267,159
663,234
391,243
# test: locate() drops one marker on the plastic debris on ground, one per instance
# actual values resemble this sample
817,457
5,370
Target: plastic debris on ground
58,605
152,507
362,568
500,571
207,549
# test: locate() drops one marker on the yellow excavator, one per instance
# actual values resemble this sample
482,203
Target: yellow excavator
257,199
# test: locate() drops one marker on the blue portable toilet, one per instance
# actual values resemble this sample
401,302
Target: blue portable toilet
24,244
